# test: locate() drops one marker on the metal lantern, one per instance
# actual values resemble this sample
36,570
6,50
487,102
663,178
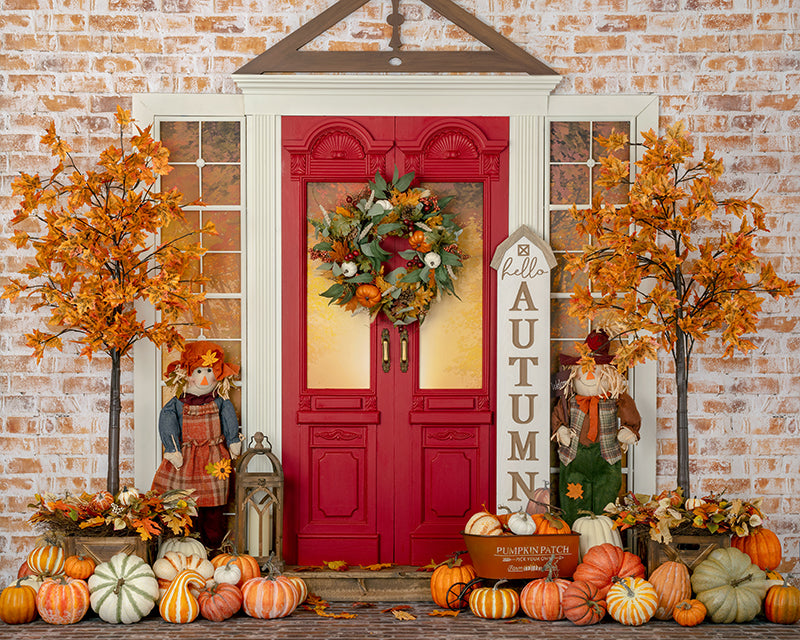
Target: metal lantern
259,501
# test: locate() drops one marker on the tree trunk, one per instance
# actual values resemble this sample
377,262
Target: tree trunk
682,417
114,410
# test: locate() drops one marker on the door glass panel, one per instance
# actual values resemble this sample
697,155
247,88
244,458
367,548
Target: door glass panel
337,342
451,338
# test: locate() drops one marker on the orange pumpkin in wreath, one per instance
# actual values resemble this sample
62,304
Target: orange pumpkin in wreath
368,295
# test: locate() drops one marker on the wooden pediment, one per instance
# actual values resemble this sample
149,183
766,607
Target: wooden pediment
503,56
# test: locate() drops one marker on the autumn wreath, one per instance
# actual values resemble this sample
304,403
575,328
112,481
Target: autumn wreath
352,256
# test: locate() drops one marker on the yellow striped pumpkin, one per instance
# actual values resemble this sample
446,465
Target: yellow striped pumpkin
631,601
494,603
47,560
178,604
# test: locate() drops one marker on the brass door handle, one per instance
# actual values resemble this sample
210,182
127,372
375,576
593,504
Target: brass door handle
403,349
387,363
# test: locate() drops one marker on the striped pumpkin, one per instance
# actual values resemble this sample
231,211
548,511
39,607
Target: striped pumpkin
219,602
173,562
494,603
302,587
542,599
62,600
178,605
483,523
268,598
671,582
124,589
47,560
631,601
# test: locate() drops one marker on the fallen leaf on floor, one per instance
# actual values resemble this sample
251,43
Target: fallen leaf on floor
317,568
442,612
404,615
363,605
516,620
318,605
399,607
377,567
428,567
336,565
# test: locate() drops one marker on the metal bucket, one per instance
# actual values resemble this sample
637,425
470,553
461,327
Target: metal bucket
512,557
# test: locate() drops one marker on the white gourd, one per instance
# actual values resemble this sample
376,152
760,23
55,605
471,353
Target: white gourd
123,590
521,524
186,546
228,573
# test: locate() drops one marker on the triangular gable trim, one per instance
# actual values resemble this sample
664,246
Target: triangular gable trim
504,57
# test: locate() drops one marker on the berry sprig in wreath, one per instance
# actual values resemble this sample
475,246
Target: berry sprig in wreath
352,256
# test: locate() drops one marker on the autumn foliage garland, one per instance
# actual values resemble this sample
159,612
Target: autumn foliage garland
94,255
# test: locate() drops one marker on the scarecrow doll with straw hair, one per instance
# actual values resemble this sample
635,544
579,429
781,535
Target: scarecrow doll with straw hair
199,431
594,420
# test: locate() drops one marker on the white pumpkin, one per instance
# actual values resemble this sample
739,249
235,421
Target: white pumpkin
173,562
521,524
32,581
123,590
228,573
693,503
187,546
595,530
127,495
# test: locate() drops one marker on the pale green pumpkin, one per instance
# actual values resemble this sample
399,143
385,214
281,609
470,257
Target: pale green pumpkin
730,586
124,589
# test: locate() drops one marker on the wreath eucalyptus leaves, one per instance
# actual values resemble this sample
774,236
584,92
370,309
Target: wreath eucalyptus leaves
352,256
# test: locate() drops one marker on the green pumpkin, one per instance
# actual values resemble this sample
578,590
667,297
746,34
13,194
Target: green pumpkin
730,586
123,590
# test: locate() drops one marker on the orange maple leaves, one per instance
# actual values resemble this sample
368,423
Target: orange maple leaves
650,278
94,252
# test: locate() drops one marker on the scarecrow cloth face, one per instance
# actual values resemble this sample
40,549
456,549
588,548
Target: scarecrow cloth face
594,421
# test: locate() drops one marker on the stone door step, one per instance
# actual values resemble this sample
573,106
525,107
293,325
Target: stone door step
396,584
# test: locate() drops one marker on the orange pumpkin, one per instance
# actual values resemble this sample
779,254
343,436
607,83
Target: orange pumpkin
494,603
582,603
178,604
302,587
62,600
18,603
47,560
782,604
269,597
763,547
101,502
541,599
417,241
689,613
79,567
672,584
550,523
368,295
603,563
220,601
449,583
247,564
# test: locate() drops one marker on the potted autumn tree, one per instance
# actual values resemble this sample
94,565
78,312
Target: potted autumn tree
92,236
660,272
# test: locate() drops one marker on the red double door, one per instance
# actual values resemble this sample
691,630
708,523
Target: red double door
388,433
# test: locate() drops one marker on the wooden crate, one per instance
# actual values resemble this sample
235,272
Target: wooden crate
101,548
689,549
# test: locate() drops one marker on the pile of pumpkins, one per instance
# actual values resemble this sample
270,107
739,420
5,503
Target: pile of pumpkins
182,582
731,585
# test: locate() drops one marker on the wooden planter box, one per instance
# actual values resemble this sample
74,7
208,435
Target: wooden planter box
512,557
689,549
101,549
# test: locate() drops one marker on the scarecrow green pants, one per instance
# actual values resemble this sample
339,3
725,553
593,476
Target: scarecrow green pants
588,483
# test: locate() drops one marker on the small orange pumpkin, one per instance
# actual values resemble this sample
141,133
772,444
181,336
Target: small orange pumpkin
689,613
550,523
219,602
47,560
417,241
18,603
368,295
494,603
79,567
62,600
782,604
671,582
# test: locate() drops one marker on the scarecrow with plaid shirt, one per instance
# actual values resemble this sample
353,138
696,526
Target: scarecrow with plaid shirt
593,420
199,428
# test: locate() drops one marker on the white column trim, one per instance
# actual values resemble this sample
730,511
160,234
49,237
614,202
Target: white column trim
526,191
263,278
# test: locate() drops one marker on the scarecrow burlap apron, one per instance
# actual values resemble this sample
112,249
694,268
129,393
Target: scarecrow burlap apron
203,442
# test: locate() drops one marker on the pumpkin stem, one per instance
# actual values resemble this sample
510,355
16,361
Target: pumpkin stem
624,583
118,586
550,566
498,583
747,578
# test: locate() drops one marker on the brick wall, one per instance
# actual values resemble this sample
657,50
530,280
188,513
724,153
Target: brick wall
729,68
